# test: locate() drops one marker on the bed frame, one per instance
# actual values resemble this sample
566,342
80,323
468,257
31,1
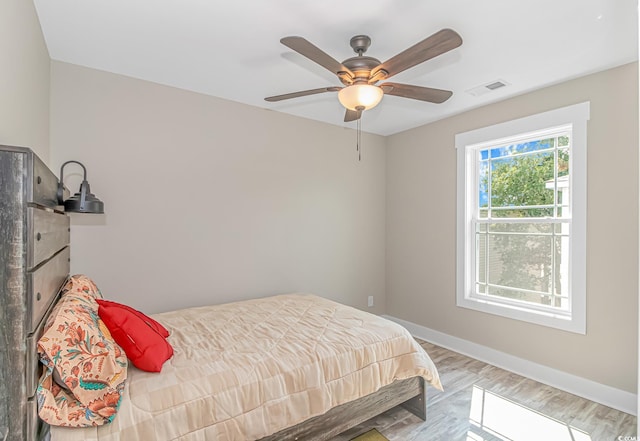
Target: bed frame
409,393
31,316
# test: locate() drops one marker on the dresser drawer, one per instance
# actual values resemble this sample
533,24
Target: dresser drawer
43,285
45,184
48,234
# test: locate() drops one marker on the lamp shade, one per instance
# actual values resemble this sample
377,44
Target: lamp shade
366,96
83,201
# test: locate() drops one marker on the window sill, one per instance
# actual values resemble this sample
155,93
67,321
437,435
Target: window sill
558,321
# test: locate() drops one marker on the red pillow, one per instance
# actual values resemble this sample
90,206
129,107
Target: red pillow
141,337
148,320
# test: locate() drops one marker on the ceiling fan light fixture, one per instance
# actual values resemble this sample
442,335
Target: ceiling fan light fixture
360,95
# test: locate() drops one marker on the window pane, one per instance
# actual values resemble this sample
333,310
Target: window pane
519,295
522,212
481,261
522,181
561,272
523,147
562,228
563,184
520,261
483,184
563,141
531,228
563,209
561,303
563,162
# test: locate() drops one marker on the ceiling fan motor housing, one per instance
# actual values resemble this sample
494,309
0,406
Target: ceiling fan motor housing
361,66
360,43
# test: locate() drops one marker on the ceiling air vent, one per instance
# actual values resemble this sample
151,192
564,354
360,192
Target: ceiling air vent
496,85
488,87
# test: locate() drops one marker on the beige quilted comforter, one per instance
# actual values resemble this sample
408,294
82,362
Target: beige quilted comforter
245,370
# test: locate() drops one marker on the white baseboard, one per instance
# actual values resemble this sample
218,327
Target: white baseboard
591,390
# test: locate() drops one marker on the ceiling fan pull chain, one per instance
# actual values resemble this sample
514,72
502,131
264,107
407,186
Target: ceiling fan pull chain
359,139
360,110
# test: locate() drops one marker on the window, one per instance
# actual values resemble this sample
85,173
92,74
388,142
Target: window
522,219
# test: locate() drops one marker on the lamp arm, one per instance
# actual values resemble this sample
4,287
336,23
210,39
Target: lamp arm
60,193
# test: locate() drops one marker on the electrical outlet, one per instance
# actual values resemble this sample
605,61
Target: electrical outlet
370,301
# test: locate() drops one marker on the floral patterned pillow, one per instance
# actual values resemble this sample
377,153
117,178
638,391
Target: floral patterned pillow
78,347
82,284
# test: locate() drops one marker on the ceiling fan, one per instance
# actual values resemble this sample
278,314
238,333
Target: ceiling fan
360,74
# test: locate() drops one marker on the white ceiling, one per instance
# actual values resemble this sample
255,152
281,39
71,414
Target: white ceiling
231,49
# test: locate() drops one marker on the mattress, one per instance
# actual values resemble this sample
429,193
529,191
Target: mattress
242,371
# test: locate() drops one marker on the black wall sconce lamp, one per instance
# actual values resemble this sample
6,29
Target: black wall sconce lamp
82,202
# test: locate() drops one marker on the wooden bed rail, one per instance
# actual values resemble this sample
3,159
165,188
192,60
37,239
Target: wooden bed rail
409,393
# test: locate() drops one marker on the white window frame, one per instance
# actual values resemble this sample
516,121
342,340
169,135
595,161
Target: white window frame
467,145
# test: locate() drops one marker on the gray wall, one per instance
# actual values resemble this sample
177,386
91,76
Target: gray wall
24,78
211,201
421,232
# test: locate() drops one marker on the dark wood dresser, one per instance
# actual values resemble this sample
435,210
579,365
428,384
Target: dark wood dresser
34,264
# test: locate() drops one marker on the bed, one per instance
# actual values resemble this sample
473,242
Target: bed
294,366
288,367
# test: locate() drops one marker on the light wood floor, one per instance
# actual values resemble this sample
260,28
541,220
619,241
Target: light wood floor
484,403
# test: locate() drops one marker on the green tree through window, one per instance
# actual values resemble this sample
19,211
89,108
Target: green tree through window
521,260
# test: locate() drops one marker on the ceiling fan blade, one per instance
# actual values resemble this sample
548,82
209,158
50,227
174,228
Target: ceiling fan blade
315,54
287,96
417,92
352,115
439,43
